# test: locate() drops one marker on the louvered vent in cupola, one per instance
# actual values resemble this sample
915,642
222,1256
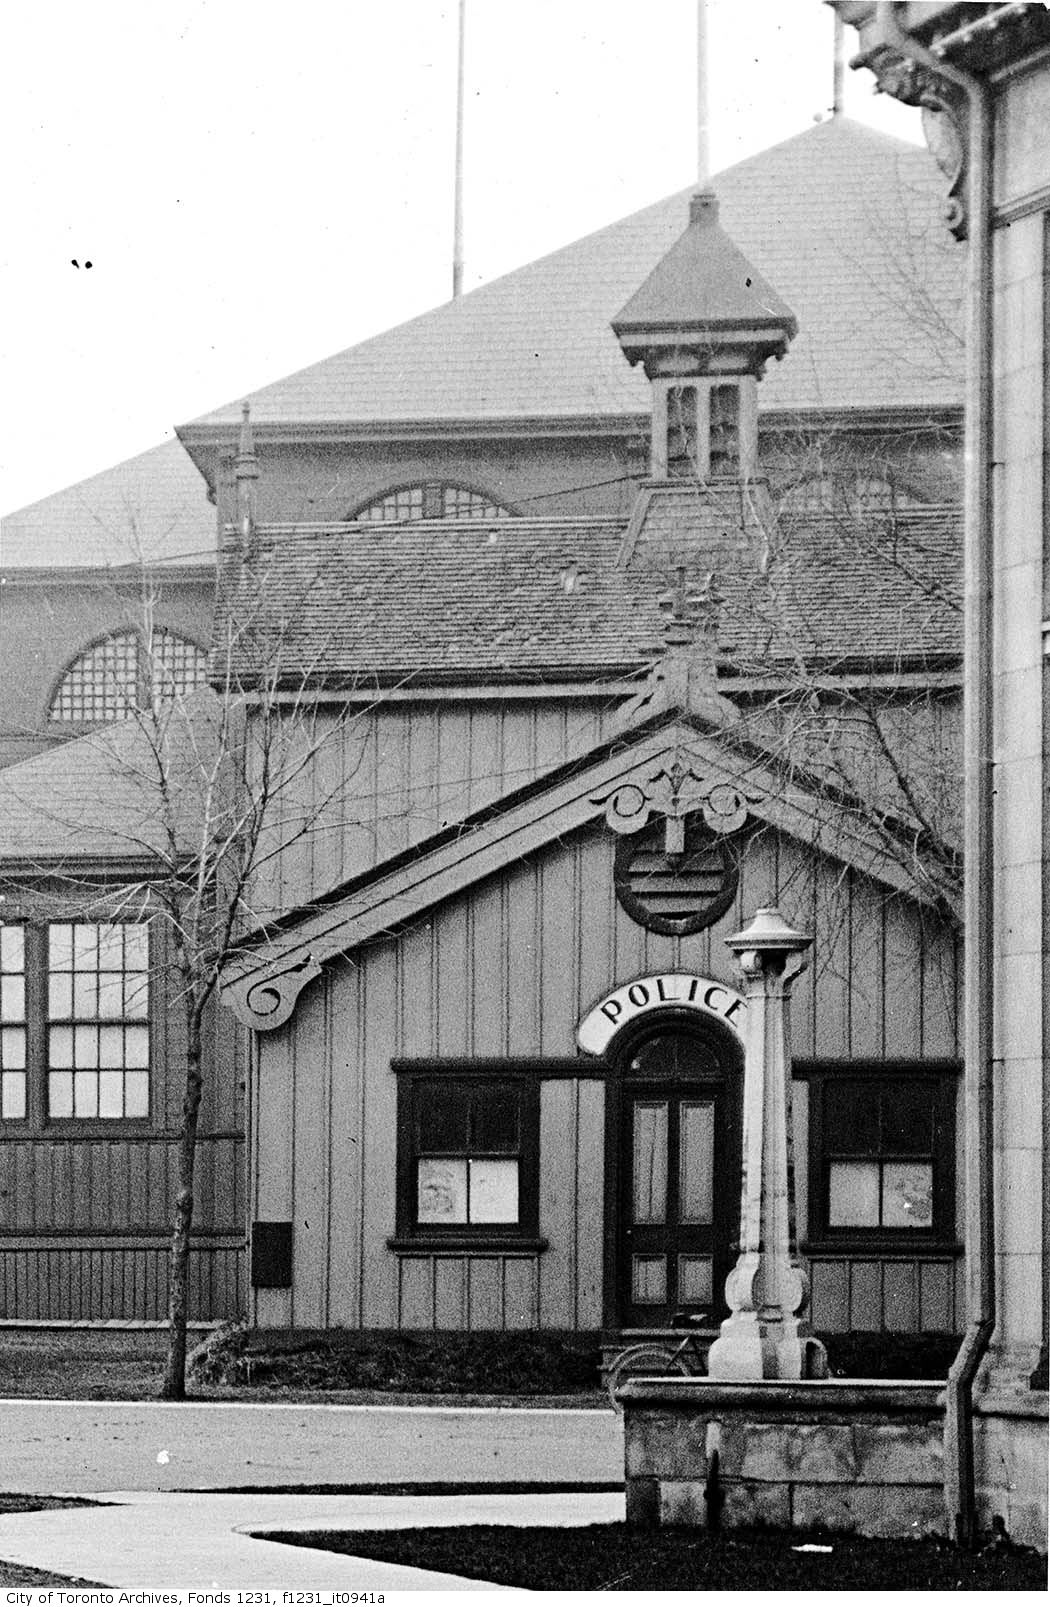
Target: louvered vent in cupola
676,877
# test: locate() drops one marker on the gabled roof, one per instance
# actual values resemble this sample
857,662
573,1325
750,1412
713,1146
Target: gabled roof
842,220
264,981
153,508
453,601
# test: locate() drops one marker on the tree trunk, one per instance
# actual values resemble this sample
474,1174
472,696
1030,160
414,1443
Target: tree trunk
174,1386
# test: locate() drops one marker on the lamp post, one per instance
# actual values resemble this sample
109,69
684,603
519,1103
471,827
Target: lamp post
763,1336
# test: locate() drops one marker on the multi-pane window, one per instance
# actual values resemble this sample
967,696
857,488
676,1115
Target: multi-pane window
12,1022
847,495
433,499
468,1156
125,672
98,1020
883,1160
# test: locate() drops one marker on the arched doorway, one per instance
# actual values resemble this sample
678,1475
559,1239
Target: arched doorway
673,1147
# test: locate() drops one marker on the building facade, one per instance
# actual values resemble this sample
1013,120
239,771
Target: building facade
502,600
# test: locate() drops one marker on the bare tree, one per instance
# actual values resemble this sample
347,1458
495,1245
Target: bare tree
203,790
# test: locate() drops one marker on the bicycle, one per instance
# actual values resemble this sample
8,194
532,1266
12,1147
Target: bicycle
661,1358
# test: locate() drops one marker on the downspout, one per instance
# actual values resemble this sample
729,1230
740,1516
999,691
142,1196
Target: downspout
960,1486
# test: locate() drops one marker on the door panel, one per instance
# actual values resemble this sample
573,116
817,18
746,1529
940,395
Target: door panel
696,1161
649,1163
679,1183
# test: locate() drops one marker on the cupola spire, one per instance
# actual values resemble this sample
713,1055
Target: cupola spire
704,324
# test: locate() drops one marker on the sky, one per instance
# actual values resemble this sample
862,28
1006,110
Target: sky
257,185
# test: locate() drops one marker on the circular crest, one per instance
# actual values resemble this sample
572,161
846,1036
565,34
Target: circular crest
676,893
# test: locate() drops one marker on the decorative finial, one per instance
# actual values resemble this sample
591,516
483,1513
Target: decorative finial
246,473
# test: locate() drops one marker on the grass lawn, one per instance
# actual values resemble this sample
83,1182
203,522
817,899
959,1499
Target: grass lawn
128,1365
335,1366
612,1557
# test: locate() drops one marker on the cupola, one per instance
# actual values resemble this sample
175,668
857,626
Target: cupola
704,324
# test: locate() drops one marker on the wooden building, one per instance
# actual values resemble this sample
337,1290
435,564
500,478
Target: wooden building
496,1068
499,591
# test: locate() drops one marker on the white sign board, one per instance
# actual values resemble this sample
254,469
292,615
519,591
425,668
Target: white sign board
647,993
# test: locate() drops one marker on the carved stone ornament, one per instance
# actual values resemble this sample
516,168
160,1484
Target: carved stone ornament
269,1002
944,121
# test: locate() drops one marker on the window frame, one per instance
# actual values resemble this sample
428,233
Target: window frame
940,1236
413,1080
433,494
38,1023
142,687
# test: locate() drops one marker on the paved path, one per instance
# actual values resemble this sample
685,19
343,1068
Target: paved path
79,1447
197,1542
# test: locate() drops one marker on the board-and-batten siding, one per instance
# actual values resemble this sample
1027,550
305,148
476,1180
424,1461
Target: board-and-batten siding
384,779
85,1221
507,969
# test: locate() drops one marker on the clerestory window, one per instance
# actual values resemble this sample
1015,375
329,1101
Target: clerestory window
431,499
125,672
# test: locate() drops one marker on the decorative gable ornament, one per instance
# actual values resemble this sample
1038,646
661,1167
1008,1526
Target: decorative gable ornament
675,870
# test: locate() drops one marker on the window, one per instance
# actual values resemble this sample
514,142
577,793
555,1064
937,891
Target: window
882,1155
12,1023
848,495
431,500
683,433
82,1037
725,429
467,1157
127,672
98,1021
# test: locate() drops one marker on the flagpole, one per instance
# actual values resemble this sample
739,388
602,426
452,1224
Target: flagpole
457,208
703,109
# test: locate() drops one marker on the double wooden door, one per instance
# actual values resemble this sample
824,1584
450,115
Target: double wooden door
678,1180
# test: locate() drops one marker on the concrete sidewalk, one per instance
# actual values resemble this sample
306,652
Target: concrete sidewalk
191,1542
84,1446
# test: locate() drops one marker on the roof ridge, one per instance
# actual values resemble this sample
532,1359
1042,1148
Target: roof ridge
459,309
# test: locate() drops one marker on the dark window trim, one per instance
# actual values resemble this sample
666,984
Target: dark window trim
940,1238
480,1236
805,1068
449,1244
38,1121
522,1066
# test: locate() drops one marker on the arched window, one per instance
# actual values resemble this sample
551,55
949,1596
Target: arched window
847,494
431,499
127,671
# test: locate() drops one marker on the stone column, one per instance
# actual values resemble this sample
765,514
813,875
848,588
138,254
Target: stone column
763,1336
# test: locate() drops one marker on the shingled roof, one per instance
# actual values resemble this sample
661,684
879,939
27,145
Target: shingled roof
452,601
98,800
844,222
151,508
